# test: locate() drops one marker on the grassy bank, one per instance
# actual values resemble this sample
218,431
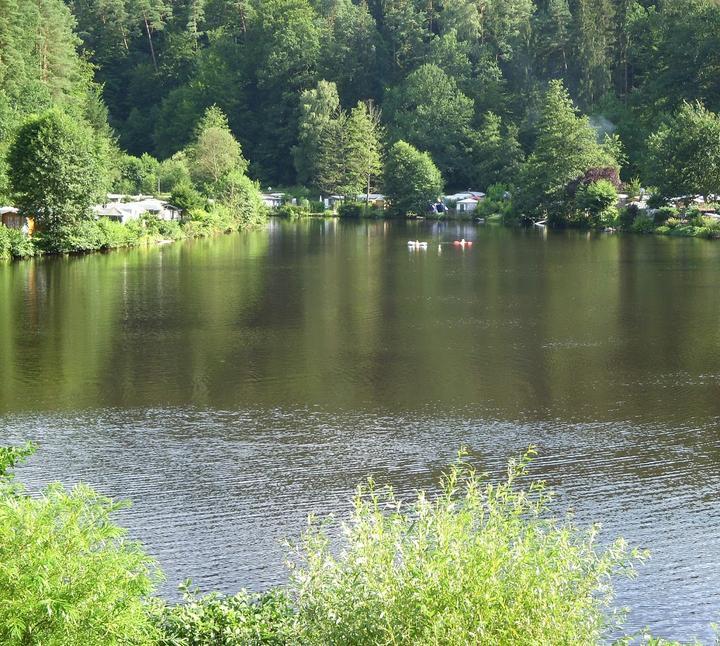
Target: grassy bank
104,234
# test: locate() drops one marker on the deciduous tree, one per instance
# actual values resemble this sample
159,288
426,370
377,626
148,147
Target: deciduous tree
215,152
412,181
684,153
57,169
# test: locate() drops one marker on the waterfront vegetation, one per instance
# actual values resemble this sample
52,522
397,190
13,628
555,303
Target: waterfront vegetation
201,101
474,561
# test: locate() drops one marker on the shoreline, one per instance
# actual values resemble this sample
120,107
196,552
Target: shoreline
129,238
682,229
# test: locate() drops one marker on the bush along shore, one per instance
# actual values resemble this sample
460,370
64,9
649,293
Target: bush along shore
475,562
104,234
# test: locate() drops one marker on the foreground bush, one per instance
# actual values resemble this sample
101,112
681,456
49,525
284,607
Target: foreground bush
479,564
250,620
68,574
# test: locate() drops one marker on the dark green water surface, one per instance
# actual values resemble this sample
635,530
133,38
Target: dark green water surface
231,386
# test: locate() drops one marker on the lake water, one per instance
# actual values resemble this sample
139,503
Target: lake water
231,386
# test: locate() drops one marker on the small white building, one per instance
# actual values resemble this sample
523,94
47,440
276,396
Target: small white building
124,212
11,218
331,201
273,200
159,208
376,200
467,204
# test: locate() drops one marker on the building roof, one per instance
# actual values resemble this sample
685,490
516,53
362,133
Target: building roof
108,211
457,197
133,209
7,209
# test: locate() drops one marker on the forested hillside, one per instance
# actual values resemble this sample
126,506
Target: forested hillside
162,62
40,68
303,83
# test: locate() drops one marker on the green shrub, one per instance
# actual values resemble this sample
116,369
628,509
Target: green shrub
151,225
672,222
14,244
633,188
663,214
115,234
708,228
241,197
292,211
91,235
200,222
497,202
186,198
218,620
597,201
82,236
643,224
610,217
68,574
351,210
316,206
479,564
627,217
170,230
656,200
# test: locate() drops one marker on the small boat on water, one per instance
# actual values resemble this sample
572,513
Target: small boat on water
416,244
462,243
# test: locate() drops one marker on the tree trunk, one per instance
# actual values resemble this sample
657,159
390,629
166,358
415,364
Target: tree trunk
152,48
367,195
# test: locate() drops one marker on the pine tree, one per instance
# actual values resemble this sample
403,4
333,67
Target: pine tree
566,147
498,153
552,27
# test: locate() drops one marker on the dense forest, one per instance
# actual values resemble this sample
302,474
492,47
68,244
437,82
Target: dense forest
463,80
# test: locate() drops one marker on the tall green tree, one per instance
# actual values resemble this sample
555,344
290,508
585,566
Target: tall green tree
40,67
363,149
58,169
498,153
350,47
215,153
404,29
317,132
412,181
428,111
551,38
566,147
283,44
684,153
